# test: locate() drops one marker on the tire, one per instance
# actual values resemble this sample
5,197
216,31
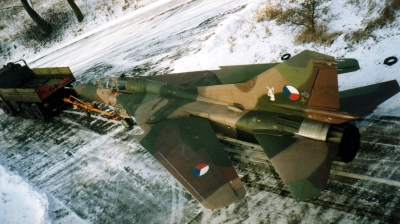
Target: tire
7,110
87,114
390,61
285,57
127,122
26,108
38,112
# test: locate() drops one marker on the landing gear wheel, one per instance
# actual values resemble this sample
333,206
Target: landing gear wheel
7,110
128,122
285,57
39,113
87,114
26,108
390,61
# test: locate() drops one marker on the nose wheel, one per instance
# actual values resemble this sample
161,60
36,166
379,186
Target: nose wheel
128,122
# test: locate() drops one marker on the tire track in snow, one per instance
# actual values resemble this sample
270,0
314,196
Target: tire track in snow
254,151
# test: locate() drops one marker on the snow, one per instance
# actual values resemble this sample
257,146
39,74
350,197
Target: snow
21,202
98,14
240,40
166,34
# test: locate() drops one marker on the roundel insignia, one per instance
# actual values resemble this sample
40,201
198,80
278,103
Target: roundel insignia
291,92
200,170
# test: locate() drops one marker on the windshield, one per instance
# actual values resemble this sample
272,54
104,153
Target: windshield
122,85
105,83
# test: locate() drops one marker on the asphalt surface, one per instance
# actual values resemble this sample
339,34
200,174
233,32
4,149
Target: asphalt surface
96,170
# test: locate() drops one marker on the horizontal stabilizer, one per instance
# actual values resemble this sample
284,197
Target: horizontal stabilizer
362,101
346,65
303,164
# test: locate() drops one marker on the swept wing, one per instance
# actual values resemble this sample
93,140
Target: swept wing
188,148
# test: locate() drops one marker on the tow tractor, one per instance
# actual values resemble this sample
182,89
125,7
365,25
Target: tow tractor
36,92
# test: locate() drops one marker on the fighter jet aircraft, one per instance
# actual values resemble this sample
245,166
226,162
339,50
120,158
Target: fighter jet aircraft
292,109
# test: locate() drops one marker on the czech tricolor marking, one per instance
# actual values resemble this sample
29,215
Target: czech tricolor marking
200,170
291,92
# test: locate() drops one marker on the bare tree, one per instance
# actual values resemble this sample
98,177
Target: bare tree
43,24
305,15
76,9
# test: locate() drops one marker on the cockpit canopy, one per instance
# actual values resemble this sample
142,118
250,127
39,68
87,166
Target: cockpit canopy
111,83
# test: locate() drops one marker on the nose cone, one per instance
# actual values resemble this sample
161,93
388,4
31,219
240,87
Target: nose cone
87,91
79,88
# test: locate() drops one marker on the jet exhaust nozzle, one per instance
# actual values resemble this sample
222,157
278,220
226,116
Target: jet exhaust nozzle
348,139
346,136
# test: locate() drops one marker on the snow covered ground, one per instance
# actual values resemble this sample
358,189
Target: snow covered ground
21,202
82,171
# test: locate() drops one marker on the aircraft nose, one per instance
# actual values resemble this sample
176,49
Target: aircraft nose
79,88
87,91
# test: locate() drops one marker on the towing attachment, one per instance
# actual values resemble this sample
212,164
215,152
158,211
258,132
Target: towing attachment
90,107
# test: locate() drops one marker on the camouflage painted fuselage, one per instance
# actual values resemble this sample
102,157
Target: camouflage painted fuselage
292,109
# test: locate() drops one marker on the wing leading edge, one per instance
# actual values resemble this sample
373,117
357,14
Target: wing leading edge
189,149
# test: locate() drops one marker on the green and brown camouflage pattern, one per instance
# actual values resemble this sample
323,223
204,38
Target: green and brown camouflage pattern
292,109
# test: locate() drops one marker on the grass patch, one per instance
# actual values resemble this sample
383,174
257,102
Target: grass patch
386,16
267,31
267,13
319,36
309,20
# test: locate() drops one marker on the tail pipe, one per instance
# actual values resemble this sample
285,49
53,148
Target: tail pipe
347,137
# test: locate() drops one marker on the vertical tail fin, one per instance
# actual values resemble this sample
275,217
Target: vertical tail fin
314,78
